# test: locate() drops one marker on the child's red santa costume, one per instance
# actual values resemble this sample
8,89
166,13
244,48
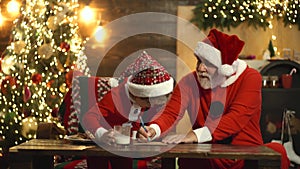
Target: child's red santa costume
237,120
149,79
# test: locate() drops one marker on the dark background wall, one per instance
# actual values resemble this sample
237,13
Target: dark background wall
114,9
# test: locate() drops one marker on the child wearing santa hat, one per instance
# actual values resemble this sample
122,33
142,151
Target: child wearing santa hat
143,94
223,100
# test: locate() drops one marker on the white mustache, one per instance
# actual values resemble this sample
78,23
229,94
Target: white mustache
203,74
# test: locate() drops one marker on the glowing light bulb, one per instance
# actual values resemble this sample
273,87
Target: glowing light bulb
100,34
87,14
13,7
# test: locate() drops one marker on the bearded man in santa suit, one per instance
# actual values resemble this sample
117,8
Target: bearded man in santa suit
223,100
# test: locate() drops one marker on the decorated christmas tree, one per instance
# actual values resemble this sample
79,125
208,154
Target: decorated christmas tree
37,67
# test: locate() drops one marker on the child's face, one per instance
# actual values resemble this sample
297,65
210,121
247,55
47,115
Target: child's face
143,102
146,102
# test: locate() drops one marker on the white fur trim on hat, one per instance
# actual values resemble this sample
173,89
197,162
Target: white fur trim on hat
209,53
155,90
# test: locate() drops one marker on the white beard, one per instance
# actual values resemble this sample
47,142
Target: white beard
204,80
208,82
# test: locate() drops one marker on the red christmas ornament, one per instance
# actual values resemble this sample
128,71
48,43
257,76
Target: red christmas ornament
54,112
65,46
26,94
7,83
26,113
36,78
49,84
69,77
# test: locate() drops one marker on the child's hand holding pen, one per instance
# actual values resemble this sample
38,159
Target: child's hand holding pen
144,131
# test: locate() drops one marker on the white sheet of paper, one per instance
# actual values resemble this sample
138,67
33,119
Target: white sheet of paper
154,143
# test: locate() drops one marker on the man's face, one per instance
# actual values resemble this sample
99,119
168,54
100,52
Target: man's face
205,72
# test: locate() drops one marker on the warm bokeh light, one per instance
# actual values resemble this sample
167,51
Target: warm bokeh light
100,34
87,14
216,13
1,19
13,7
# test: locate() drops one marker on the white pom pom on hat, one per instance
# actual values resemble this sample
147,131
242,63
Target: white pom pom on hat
226,70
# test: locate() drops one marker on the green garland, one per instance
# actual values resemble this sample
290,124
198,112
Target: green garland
228,13
292,17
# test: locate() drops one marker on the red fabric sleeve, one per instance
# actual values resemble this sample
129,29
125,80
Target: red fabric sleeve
112,110
93,118
178,103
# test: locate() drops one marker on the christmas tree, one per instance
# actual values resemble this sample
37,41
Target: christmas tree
271,49
37,67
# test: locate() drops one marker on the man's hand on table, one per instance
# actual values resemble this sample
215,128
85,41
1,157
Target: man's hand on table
171,139
181,138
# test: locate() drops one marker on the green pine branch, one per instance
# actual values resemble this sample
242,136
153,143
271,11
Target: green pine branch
224,14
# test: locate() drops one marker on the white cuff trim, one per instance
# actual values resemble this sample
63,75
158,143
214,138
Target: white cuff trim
99,132
159,89
203,134
157,130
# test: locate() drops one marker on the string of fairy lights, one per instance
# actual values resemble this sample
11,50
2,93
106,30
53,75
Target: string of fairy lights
258,13
255,13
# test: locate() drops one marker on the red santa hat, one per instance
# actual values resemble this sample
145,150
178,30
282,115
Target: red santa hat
144,61
153,81
221,50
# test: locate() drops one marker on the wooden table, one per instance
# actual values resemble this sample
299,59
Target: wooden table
41,152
